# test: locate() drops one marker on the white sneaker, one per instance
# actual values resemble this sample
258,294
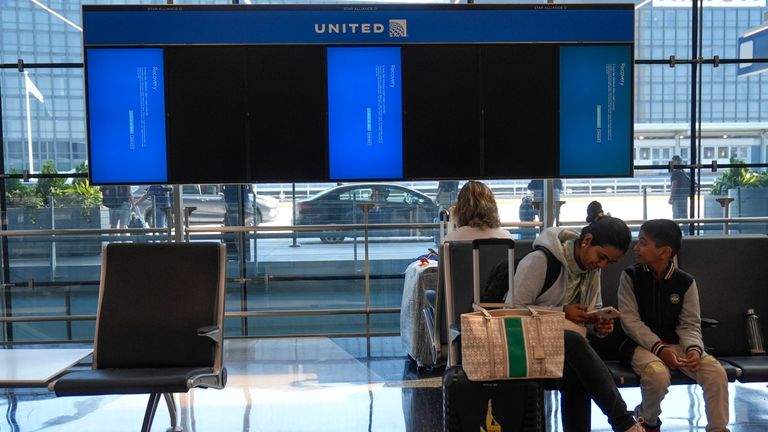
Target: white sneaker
638,427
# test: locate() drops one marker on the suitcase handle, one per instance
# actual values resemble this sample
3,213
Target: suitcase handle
476,263
492,241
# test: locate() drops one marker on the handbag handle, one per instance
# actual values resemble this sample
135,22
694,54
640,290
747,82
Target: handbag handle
478,308
538,344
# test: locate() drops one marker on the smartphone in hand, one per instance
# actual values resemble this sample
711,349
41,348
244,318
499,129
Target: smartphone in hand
608,312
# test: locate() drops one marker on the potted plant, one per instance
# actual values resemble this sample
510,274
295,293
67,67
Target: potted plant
749,190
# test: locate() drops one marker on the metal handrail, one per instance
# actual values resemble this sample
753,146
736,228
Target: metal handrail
80,232
270,313
305,312
638,222
346,227
234,229
46,318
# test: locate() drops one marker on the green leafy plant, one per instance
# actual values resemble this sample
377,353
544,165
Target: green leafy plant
34,196
24,196
82,168
83,195
13,184
21,195
733,178
50,187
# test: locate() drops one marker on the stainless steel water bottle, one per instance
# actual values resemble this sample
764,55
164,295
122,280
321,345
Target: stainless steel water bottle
754,334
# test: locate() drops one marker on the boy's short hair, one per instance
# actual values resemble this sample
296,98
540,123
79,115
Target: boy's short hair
663,232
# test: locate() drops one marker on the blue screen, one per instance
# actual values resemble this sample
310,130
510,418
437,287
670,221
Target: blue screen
365,113
595,110
126,115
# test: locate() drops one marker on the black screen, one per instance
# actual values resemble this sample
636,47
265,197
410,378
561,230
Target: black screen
521,116
301,93
206,114
442,100
246,114
287,113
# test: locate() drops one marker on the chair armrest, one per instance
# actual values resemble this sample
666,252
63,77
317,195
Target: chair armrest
709,323
212,332
217,379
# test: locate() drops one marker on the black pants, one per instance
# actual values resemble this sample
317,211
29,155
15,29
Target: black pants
586,378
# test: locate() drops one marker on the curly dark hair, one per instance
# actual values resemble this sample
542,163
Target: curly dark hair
476,206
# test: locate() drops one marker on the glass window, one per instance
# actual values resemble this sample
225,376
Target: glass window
57,119
209,189
358,194
190,190
663,106
739,152
394,195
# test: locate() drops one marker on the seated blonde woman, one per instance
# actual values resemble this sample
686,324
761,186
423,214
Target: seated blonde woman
475,214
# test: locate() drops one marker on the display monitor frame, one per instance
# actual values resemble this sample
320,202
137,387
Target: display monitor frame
484,145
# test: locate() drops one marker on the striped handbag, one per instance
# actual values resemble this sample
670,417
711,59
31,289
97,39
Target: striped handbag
512,344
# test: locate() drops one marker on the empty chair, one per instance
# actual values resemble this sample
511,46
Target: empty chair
159,326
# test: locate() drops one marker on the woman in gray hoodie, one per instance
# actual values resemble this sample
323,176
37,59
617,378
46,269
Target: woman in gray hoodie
575,292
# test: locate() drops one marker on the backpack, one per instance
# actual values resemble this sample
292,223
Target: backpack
498,280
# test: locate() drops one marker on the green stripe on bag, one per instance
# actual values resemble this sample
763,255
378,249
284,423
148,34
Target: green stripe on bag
518,364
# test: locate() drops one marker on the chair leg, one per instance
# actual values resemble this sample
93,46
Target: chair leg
149,415
171,403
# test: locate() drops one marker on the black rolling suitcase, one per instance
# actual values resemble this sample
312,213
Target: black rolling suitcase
487,406
491,406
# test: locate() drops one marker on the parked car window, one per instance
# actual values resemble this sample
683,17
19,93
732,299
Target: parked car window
396,195
392,204
356,195
209,189
413,199
190,190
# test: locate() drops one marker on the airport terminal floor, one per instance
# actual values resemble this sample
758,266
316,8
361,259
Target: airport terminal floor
327,384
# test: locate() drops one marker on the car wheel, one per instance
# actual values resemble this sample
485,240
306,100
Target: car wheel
330,237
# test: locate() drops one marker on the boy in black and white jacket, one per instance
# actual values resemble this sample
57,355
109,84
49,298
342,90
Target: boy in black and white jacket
660,313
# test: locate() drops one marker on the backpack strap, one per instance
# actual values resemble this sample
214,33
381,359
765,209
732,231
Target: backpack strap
554,266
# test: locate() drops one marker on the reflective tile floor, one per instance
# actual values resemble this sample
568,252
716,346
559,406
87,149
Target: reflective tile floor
321,384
